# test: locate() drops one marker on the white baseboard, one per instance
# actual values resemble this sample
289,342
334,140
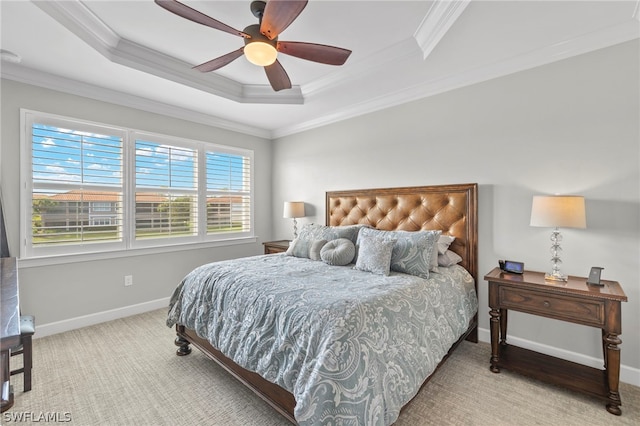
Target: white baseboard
92,319
628,374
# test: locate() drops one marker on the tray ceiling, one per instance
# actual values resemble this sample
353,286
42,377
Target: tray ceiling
135,53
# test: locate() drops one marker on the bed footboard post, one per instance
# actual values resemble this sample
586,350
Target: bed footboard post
181,342
473,334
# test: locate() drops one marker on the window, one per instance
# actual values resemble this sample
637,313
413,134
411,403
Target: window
72,167
102,207
228,192
166,194
101,221
93,188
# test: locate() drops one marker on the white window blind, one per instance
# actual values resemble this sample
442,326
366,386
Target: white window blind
166,190
73,170
228,192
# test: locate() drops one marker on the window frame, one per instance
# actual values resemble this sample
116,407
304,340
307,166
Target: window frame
129,244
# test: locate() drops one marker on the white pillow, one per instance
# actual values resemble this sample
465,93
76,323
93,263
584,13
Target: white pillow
444,242
450,258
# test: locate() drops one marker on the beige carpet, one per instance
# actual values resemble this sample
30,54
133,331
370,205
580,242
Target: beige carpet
125,372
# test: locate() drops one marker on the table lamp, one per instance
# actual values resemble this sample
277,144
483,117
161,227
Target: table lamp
294,209
557,211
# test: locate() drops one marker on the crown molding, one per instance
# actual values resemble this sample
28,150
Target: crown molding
33,77
438,20
78,19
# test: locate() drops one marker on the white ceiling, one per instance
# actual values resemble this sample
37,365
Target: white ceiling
138,54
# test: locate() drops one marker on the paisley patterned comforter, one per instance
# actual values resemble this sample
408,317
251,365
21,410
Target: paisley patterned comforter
351,346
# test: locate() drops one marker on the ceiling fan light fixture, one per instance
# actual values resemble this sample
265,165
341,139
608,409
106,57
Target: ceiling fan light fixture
260,53
261,45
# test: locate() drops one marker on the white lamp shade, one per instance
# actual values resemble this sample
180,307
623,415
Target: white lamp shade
293,209
558,211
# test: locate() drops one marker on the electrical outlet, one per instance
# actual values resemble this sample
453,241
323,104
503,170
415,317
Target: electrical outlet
128,280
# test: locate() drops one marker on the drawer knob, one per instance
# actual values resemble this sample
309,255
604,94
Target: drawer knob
546,304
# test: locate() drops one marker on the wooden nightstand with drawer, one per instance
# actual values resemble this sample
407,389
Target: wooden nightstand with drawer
573,301
279,246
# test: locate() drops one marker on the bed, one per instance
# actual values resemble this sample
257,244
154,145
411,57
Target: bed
326,344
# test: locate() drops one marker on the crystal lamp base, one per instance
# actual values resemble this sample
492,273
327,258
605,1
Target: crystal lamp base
555,277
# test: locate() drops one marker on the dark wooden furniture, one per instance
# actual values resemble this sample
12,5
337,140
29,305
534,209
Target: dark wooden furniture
25,348
574,301
9,323
279,246
450,208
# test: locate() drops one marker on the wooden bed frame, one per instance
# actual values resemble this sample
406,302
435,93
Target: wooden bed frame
449,208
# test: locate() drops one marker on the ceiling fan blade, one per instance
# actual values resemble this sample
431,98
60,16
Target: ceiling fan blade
277,76
314,52
220,62
278,15
193,15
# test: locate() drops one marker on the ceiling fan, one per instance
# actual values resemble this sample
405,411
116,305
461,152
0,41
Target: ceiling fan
261,40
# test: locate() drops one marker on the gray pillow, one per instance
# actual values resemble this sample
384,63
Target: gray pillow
316,247
374,254
414,253
308,249
299,248
312,231
338,252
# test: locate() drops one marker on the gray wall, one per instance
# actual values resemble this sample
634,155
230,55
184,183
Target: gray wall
571,127
66,291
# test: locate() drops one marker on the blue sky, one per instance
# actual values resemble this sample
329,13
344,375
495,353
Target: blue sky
69,156
61,155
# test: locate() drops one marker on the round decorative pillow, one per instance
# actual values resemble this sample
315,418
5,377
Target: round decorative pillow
338,252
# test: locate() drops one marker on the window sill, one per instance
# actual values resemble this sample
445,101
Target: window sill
86,257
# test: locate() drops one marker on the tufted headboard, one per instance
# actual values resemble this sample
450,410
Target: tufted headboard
453,209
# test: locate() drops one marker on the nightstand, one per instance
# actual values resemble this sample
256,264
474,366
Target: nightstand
573,301
279,246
